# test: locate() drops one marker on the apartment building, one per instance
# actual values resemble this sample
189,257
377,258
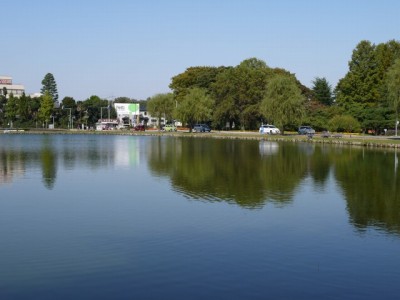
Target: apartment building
16,89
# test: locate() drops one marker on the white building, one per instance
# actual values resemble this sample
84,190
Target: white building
132,114
16,89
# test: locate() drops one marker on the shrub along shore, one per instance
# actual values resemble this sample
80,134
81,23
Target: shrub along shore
345,139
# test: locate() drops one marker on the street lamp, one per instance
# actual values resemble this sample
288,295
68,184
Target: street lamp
70,114
101,112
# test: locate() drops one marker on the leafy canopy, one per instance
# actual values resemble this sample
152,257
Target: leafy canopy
46,107
161,105
283,103
393,86
196,106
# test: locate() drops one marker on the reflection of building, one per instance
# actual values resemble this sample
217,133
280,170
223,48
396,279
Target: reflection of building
16,89
127,152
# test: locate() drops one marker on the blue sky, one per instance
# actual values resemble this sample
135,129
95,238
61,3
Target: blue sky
133,48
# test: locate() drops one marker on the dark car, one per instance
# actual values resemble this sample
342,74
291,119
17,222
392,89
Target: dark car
201,128
139,127
306,130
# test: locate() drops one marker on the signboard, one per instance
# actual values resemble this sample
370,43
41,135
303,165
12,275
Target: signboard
127,108
5,81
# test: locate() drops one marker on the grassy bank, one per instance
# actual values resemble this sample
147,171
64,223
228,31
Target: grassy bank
346,139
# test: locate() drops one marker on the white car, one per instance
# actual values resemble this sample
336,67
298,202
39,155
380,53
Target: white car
269,129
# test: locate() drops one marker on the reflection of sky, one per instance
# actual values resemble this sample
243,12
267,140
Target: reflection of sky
126,152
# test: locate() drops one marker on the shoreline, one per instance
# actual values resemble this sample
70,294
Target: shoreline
349,140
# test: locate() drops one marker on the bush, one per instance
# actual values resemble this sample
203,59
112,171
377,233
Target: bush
344,123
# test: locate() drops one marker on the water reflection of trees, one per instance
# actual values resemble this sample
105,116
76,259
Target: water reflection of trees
251,174
248,173
371,187
229,170
31,152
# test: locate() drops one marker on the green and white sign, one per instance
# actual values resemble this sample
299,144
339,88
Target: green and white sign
127,108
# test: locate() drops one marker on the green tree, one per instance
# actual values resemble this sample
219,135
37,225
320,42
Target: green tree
92,108
124,100
46,108
238,93
23,108
283,103
317,114
393,87
322,91
196,106
344,123
50,86
363,88
3,101
68,109
360,85
162,105
11,109
201,77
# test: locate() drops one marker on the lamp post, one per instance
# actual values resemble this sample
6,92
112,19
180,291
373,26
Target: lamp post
101,112
70,114
397,123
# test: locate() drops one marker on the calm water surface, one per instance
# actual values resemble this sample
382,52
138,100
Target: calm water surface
129,217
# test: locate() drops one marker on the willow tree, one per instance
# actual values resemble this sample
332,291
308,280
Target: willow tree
196,106
161,105
283,103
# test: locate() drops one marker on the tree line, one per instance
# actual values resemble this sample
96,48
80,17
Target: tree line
366,99
40,112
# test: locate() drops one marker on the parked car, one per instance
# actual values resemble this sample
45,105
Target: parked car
169,127
269,129
306,130
201,128
139,127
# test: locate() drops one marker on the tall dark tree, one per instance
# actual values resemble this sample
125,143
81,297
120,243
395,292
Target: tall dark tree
360,87
50,86
393,87
23,107
322,91
362,92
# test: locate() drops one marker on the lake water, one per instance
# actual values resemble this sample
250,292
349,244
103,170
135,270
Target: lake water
140,217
